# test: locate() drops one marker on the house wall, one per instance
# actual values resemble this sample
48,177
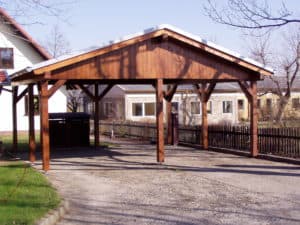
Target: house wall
24,56
268,113
185,113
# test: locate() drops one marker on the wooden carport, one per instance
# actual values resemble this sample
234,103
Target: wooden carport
159,56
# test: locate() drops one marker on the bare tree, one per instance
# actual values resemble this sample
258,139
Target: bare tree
30,11
287,65
74,100
249,14
56,43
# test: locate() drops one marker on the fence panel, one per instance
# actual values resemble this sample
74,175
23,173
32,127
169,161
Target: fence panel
276,141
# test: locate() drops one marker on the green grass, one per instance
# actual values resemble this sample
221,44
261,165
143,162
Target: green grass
25,194
6,138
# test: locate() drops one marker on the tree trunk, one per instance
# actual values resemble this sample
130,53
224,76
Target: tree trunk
281,107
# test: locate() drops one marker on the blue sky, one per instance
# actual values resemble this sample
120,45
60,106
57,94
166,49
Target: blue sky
93,22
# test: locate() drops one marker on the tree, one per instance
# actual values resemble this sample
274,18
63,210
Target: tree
286,64
56,43
258,18
250,14
74,100
30,11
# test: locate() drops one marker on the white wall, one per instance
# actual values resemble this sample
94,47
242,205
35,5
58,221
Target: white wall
24,56
217,115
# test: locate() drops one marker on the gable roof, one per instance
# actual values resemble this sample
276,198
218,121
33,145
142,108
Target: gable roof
154,32
20,31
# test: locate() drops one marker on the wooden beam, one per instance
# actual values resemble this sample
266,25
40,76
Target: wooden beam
44,125
104,92
204,124
87,92
170,92
254,121
14,118
32,144
204,92
23,93
160,121
55,87
169,117
96,116
168,97
209,90
246,89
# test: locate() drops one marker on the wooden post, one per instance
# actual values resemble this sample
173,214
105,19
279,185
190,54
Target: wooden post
169,117
254,121
160,121
14,118
204,117
32,144
96,116
45,126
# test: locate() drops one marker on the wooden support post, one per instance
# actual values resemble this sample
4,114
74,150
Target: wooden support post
14,118
32,144
96,116
253,121
204,117
251,94
160,121
44,125
169,117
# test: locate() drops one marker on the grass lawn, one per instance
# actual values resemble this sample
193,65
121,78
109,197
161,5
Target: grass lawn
25,194
6,138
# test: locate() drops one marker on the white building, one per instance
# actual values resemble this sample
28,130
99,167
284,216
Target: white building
227,104
17,51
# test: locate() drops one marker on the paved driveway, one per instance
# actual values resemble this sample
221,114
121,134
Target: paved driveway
124,185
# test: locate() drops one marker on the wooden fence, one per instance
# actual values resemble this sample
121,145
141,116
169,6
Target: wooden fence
277,141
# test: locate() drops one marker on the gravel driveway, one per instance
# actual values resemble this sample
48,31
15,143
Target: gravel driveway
124,185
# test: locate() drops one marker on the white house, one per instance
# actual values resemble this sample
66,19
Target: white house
227,104
17,51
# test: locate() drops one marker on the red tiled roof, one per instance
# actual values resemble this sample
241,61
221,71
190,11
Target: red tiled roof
24,34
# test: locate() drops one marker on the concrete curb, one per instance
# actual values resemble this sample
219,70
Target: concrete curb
55,215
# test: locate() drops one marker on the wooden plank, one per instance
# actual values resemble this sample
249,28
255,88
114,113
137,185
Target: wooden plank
204,124
169,122
87,92
55,87
32,144
44,125
160,121
105,91
96,116
23,93
254,121
14,118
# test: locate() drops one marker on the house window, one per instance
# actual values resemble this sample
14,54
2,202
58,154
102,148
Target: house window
108,108
241,105
137,109
295,103
209,107
6,58
195,108
258,103
149,109
269,104
36,105
227,106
